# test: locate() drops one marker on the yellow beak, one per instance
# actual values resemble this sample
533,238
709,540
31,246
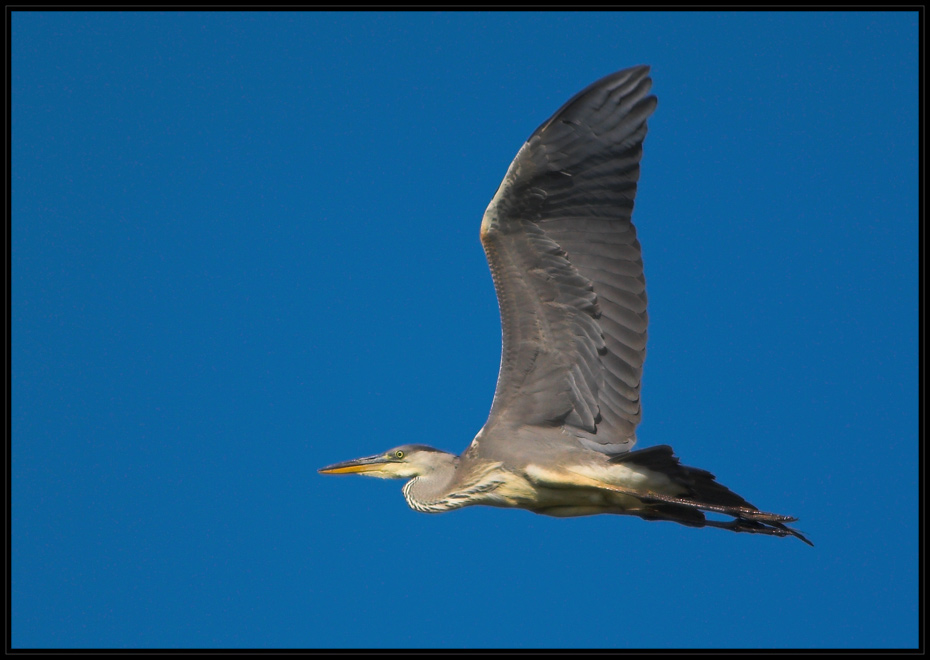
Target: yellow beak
367,464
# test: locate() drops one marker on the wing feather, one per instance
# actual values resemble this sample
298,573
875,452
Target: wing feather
568,270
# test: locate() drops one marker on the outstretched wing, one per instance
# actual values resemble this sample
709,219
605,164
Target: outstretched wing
568,270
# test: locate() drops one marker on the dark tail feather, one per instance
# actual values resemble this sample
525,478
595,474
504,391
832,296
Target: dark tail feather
703,492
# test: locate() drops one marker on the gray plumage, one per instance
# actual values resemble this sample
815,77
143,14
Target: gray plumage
568,272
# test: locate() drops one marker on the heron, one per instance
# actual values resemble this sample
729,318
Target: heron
568,272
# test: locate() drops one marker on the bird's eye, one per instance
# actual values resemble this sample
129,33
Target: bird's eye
399,454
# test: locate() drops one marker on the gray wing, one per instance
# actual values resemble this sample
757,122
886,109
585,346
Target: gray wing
568,270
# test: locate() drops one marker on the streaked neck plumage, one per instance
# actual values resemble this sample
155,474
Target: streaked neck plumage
448,484
426,491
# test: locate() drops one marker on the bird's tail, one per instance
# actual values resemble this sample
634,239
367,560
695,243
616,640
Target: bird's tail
703,494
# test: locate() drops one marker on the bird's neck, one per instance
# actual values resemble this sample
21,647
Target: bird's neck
428,492
446,487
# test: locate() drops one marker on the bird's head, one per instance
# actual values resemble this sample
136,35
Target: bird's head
404,462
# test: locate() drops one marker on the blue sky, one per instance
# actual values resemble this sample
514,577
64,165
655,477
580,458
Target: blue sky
245,245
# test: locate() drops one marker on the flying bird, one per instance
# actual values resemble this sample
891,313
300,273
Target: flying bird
568,271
